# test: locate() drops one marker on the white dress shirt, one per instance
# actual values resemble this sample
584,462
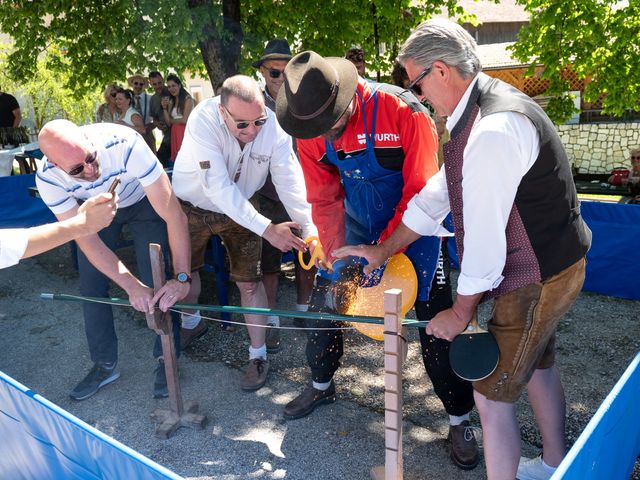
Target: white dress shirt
13,244
210,159
501,149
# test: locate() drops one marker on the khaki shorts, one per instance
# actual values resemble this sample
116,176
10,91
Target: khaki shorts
244,247
524,324
274,211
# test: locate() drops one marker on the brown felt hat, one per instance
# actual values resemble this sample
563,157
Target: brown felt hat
276,49
315,94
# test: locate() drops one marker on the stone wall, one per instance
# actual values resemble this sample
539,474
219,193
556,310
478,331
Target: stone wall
599,147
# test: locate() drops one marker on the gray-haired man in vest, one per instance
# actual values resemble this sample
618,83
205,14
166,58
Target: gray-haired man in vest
520,237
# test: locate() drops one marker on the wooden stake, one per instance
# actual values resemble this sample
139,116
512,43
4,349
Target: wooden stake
394,354
179,415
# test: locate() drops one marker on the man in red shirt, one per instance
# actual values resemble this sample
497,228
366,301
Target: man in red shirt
366,149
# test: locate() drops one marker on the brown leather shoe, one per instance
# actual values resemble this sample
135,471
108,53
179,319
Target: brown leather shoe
308,400
187,336
463,446
272,340
255,376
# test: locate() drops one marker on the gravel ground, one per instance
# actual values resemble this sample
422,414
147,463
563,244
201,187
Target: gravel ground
597,340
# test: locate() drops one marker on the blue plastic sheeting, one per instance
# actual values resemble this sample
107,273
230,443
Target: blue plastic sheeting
610,443
17,207
612,261
41,441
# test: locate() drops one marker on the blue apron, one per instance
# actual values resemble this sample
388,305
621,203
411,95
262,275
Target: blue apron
371,196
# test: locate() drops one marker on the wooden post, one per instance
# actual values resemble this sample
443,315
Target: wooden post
179,414
394,355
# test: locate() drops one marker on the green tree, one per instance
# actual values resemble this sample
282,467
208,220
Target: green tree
598,39
47,91
108,39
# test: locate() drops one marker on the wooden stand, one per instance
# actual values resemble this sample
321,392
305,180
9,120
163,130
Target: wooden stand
395,351
179,415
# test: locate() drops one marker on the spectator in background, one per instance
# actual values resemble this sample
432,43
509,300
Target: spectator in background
127,115
157,83
356,56
176,111
141,102
10,114
274,59
108,111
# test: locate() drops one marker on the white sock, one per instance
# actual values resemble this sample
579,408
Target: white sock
457,420
321,386
302,307
260,352
273,320
190,321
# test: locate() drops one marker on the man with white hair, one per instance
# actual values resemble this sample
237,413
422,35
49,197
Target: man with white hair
507,182
231,143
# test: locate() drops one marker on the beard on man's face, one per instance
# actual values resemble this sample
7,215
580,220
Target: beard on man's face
335,133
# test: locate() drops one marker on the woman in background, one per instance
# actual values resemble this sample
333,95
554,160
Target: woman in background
108,111
127,115
176,110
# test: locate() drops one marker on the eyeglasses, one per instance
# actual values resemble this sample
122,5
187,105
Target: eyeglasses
414,86
635,157
242,124
138,84
275,73
77,170
113,94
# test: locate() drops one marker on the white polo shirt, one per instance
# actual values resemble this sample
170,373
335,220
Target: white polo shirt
13,244
210,159
121,152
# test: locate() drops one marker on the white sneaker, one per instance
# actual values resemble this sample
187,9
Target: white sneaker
534,469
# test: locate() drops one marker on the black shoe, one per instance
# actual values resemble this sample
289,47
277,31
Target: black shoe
272,340
160,389
308,400
100,375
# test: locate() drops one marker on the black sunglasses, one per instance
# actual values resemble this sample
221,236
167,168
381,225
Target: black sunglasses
138,84
242,124
75,171
113,94
275,73
414,86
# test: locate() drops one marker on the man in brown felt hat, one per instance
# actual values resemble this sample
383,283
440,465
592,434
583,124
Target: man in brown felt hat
366,149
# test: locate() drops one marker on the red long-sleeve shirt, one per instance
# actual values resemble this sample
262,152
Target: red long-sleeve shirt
404,141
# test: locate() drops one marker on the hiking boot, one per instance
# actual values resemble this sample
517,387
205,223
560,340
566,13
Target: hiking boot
272,340
463,446
188,335
255,376
160,389
100,375
534,469
308,400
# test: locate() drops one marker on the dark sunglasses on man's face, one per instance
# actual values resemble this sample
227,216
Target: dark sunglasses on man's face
77,170
275,73
414,86
242,124
138,84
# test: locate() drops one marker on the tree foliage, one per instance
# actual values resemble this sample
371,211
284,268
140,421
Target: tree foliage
47,93
109,39
598,39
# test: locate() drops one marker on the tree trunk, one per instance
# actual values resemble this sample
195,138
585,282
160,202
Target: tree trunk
220,50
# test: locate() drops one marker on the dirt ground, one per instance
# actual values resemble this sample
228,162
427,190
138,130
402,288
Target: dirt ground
596,341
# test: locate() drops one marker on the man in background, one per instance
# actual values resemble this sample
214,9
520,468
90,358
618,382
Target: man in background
160,90
141,102
10,113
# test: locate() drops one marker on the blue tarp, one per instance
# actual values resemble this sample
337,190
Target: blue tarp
41,441
612,262
17,207
610,443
